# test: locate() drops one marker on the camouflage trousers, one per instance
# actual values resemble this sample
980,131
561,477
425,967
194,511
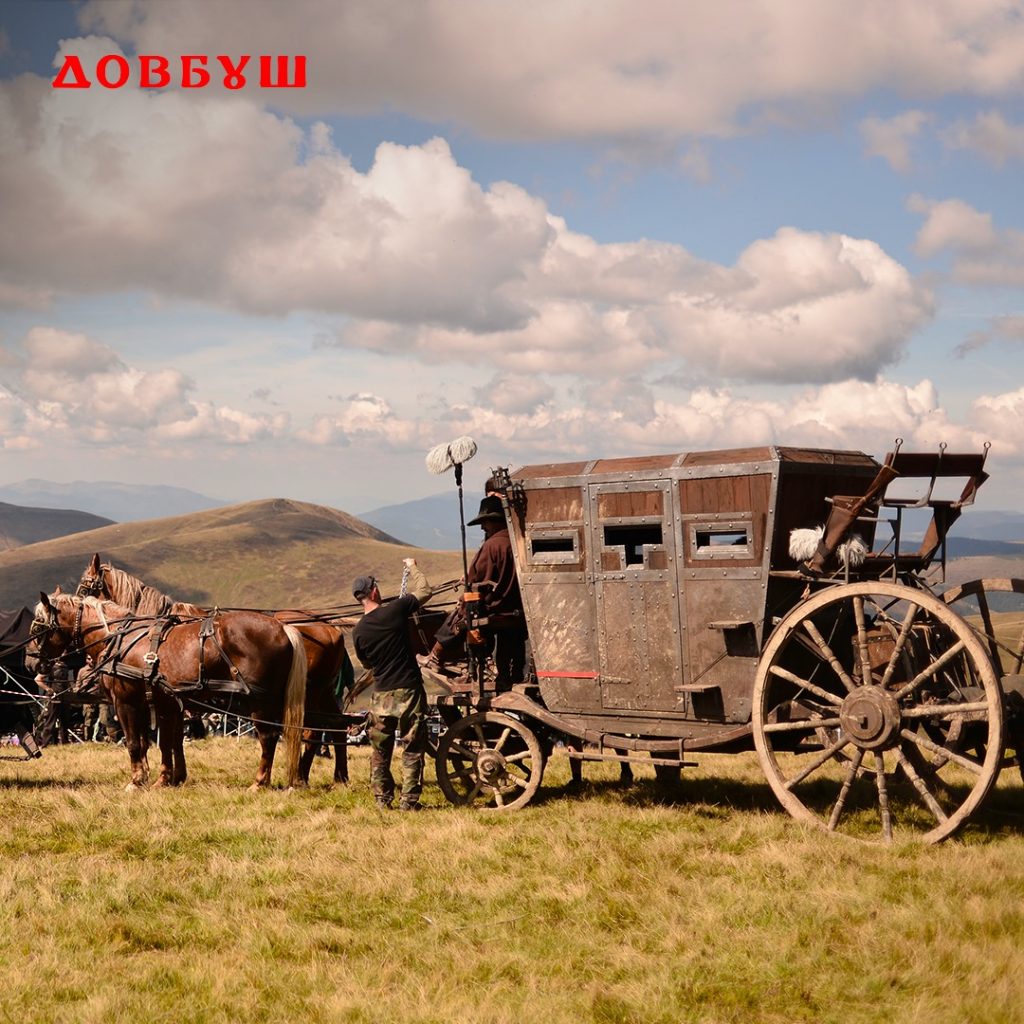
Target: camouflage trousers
398,715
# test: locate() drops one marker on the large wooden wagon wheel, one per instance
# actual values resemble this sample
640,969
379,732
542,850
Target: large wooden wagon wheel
492,758
878,713
994,608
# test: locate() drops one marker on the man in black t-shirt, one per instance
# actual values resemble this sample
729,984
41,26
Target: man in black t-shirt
398,707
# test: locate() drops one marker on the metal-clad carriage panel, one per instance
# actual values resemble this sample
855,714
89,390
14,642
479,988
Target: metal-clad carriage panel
633,537
718,513
638,631
563,642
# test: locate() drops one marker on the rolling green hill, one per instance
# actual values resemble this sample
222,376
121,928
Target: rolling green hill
262,554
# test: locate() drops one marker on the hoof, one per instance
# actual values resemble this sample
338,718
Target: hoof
256,788
134,787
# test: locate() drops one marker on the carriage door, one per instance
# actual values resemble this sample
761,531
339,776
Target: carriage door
633,570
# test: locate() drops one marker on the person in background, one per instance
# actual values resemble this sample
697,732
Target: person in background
53,724
398,706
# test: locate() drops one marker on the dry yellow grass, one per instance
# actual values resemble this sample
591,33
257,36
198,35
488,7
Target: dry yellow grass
705,903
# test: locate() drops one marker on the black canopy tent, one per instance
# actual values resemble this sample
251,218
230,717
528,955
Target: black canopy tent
18,693
14,632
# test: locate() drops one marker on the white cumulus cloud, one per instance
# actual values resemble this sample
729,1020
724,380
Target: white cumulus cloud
532,70
68,387
891,138
998,140
982,253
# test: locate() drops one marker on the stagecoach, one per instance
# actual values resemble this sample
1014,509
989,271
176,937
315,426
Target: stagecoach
783,600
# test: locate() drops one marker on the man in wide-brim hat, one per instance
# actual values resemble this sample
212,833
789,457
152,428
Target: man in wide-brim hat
493,575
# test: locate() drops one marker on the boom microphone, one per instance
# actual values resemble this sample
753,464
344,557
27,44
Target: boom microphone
442,457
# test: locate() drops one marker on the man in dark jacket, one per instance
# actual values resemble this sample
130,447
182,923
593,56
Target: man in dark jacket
398,707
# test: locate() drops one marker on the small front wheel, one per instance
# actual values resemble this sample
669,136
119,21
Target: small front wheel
491,759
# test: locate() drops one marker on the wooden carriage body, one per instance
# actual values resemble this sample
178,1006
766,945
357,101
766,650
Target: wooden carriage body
648,583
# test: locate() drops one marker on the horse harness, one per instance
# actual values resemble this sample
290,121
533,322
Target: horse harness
121,643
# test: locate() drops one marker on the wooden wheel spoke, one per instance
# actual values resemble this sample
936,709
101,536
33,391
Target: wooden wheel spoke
478,729
1017,655
919,784
943,711
818,761
883,797
862,640
474,792
826,651
803,725
499,799
927,673
502,739
927,744
806,684
901,640
523,755
986,618
844,792
461,751
516,780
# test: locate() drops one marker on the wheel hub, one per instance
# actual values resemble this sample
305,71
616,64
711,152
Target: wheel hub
490,766
871,718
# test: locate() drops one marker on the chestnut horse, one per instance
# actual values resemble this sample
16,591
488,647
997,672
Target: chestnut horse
324,643
248,652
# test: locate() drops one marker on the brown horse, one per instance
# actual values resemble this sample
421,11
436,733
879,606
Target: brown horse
249,653
324,643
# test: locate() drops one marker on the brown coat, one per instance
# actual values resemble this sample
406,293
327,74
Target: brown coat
494,563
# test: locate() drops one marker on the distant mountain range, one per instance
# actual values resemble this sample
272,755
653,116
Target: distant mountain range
121,503
991,525
429,522
275,553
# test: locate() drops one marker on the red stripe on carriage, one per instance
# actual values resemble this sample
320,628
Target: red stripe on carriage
568,675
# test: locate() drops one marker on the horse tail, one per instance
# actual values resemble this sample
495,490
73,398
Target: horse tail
294,704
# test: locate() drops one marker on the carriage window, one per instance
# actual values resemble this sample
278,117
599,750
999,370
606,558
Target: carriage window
721,540
633,538
727,538
554,547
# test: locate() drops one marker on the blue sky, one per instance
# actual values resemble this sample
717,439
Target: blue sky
566,229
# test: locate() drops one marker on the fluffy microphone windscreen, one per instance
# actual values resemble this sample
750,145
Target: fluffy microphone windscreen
463,449
442,457
439,459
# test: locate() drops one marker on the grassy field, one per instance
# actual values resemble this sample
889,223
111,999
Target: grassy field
699,903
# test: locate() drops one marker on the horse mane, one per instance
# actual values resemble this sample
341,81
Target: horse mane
143,599
99,605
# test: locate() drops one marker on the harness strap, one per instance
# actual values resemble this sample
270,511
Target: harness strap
208,631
